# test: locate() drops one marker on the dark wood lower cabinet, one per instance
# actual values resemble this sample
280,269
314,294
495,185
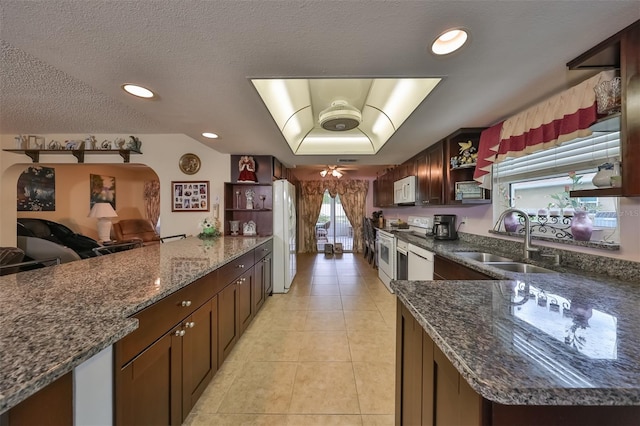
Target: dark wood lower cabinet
431,391
408,368
159,377
149,388
445,269
267,274
228,326
51,406
258,291
199,353
246,307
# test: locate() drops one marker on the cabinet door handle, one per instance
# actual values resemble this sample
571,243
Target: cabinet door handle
186,303
180,333
189,324
425,202
240,266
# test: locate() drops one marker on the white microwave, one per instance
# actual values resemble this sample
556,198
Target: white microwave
404,191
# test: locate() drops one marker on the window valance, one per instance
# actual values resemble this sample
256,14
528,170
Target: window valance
558,119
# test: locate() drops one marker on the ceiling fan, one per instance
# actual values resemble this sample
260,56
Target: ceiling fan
334,171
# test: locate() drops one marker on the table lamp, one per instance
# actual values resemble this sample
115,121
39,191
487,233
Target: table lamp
104,212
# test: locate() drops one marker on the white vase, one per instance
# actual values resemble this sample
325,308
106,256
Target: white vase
602,179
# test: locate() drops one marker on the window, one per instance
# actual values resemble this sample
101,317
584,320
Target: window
539,183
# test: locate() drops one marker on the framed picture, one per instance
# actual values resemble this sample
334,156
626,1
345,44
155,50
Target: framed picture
190,196
102,189
37,189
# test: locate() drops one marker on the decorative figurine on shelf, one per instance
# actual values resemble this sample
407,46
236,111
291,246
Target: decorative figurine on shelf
134,144
250,193
234,227
468,155
209,229
91,142
249,228
22,142
247,169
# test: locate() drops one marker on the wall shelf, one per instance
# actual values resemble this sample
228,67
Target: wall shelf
597,192
34,154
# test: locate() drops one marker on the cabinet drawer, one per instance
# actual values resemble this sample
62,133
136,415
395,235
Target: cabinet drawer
157,319
263,249
446,269
235,268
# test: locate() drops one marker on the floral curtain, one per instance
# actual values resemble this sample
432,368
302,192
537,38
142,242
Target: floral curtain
152,200
310,205
353,194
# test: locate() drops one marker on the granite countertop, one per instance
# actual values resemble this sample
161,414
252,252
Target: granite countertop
562,338
55,318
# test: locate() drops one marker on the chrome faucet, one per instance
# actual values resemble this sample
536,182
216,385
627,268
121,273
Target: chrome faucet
528,248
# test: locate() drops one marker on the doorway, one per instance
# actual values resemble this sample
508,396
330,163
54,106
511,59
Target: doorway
332,225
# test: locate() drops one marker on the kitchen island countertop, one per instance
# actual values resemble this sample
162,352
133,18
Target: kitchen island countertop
54,319
561,338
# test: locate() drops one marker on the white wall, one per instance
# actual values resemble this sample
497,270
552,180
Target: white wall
160,152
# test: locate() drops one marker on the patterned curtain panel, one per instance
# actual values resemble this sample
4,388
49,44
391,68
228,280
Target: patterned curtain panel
310,205
152,200
353,195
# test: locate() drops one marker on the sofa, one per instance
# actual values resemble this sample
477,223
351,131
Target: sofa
135,229
56,233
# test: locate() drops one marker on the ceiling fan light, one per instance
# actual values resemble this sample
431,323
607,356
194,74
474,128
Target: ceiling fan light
324,173
336,173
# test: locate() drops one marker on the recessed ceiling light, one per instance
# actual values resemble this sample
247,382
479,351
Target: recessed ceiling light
139,91
449,41
210,135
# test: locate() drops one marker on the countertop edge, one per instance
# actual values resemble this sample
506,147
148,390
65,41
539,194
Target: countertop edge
24,390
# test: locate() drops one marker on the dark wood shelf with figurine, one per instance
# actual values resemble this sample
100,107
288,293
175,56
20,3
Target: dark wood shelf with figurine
34,154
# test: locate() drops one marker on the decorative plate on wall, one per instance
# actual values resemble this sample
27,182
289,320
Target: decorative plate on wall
189,164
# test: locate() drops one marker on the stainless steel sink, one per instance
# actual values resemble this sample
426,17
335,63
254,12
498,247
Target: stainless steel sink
482,257
520,267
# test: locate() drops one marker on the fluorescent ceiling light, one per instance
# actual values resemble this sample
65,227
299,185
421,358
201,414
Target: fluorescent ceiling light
449,41
210,135
384,103
139,91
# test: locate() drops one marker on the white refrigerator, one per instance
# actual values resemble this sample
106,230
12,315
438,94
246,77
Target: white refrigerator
284,235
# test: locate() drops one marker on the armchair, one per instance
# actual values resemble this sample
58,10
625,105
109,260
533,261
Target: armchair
135,229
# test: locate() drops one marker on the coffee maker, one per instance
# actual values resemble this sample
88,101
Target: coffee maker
444,227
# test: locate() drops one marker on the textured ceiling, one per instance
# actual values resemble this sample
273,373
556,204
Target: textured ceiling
62,63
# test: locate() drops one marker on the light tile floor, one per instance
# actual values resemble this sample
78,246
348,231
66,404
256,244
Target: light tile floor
322,354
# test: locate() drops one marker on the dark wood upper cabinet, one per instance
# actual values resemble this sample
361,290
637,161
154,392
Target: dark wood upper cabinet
430,173
622,50
459,173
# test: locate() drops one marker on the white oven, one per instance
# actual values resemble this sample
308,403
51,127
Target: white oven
386,257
